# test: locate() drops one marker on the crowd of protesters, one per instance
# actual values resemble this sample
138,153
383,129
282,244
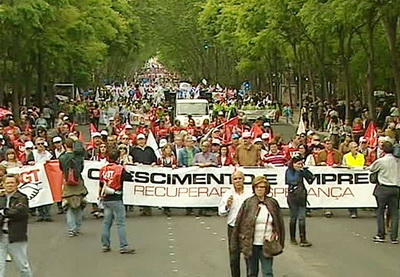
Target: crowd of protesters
125,123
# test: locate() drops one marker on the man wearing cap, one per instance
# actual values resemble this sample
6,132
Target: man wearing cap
94,147
260,144
28,149
247,154
215,146
235,143
58,148
143,154
364,149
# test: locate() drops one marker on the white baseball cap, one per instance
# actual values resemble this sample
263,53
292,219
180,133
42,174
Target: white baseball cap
128,126
216,141
267,124
65,118
141,136
163,142
246,135
57,139
362,139
29,144
104,133
265,136
111,118
96,134
257,140
311,132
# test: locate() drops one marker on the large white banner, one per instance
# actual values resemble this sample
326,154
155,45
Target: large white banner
34,184
203,187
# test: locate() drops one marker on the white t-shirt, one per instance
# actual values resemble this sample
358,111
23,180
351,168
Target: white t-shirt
262,229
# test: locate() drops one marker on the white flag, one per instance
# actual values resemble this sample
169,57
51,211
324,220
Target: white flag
301,128
151,141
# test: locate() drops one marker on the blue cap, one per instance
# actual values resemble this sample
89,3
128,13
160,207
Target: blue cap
235,136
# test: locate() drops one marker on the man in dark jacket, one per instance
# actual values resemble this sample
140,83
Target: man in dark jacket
72,161
14,224
143,154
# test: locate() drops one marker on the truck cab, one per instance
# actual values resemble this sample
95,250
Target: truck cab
198,109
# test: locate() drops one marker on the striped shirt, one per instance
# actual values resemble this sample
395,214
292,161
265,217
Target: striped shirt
278,159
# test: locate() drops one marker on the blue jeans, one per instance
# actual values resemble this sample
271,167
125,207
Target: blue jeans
252,263
298,212
114,209
74,219
19,254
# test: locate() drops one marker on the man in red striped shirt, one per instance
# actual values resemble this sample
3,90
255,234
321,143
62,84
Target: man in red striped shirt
274,157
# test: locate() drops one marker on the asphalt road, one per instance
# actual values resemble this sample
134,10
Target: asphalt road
183,246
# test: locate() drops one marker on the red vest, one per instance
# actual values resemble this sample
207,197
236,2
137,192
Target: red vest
111,175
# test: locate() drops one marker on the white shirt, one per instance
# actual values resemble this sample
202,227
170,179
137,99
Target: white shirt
262,229
389,171
237,202
41,157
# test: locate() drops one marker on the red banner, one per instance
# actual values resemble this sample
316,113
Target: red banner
56,179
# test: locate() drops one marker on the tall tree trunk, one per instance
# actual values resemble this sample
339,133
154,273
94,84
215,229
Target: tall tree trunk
346,70
371,67
40,77
391,31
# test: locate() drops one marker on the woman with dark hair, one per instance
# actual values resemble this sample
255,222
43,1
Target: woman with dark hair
297,198
11,159
259,220
102,154
304,153
224,159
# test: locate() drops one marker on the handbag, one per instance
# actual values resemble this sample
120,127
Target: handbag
271,247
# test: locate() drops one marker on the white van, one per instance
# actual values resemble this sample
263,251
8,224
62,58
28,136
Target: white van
198,108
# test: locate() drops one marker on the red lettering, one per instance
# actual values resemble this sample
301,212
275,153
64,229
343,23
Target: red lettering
214,191
337,195
137,189
202,190
192,192
162,193
182,191
149,191
30,176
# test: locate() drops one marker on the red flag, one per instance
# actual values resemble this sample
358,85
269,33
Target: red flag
228,126
256,131
93,128
371,135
